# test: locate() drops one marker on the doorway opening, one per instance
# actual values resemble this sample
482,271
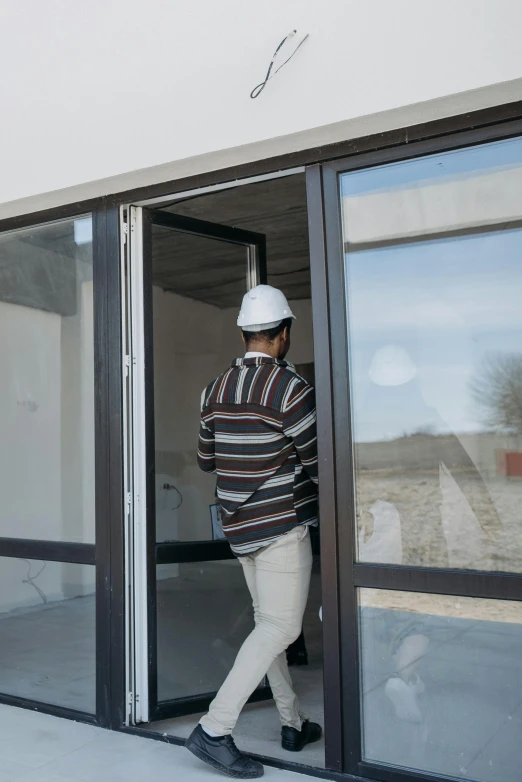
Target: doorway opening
202,252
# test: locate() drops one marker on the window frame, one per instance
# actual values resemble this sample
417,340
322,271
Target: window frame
106,554
335,426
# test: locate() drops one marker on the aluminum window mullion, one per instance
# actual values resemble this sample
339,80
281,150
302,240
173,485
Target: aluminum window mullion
460,583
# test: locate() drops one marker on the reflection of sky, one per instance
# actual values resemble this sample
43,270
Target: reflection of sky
448,302
458,164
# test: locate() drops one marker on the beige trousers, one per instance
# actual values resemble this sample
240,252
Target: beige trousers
278,577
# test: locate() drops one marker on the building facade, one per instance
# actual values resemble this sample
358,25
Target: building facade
377,179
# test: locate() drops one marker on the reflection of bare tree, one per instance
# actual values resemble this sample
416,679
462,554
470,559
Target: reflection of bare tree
497,389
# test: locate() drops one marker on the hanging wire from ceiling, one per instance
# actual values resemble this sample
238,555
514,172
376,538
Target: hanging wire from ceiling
256,92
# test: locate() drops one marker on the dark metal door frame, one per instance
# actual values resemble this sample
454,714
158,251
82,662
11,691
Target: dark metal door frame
175,552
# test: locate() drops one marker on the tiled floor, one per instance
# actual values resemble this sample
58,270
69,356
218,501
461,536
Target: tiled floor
38,748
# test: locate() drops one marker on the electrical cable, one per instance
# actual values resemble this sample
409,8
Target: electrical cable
180,495
30,579
256,92
173,487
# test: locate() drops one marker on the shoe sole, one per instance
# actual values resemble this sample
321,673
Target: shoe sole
210,761
293,748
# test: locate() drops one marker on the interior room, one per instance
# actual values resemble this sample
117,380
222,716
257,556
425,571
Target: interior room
204,610
47,608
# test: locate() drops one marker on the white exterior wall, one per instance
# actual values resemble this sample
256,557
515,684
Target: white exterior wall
97,90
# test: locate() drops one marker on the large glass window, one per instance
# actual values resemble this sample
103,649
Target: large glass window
433,250
46,382
442,683
47,632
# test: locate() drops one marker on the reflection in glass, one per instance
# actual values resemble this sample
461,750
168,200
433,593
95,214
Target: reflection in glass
197,284
47,632
47,382
204,615
435,331
442,684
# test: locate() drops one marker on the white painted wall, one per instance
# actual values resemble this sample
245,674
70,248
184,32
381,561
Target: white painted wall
30,422
47,445
57,581
100,88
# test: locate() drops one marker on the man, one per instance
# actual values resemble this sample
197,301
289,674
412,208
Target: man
258,433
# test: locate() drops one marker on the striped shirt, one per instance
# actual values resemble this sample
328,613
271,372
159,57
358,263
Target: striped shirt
258,433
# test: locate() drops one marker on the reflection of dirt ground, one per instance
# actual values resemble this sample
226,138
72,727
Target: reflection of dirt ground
443,605
424,519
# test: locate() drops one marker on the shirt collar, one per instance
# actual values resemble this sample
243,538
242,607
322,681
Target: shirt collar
257,361
254,359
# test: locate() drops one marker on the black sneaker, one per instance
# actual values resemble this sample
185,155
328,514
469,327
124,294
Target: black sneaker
294,740
222,754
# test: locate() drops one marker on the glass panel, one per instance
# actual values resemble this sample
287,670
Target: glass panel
198,285
47,632
47,382
204,613
434,284
442,684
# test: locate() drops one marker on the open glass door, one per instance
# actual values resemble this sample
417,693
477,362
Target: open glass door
192,607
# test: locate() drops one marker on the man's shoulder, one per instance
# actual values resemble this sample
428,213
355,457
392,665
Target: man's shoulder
292,388
212,387
288,376
299,382
288,381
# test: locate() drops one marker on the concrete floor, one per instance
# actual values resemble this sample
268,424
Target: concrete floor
470,713
259,731
210,598
48,652
38,748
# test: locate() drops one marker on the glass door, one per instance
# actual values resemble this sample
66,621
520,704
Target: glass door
188,277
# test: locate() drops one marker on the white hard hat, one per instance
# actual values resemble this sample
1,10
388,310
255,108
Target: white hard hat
392,366
263,308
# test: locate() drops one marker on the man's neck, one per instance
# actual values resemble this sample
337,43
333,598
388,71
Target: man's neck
257,354
263,349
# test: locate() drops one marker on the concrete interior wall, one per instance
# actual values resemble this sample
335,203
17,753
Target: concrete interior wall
191,68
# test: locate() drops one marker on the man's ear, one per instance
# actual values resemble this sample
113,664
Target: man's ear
243,337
